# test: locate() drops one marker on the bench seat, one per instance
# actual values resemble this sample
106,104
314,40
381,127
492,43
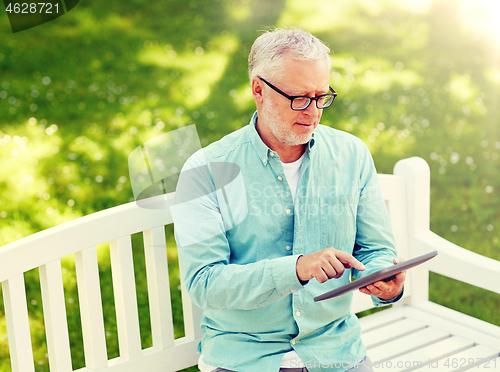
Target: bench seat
428,335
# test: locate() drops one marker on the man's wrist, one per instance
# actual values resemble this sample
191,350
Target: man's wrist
394,299
303,282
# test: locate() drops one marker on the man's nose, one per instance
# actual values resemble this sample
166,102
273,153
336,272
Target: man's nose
312,109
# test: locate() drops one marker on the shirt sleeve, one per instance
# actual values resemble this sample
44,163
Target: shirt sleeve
211,280
374,245
378,302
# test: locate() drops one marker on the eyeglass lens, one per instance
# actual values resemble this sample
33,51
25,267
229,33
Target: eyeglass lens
303,102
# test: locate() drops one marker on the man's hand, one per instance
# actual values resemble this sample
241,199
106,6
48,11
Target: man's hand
326,264
387,290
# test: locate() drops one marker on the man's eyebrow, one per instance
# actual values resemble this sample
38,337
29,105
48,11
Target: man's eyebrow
318,93
325,91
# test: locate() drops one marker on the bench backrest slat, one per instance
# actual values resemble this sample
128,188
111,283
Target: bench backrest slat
192,316
18,326
162,325
54,314
89,294
127,315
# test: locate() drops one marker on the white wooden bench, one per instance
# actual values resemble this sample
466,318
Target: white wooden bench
413,331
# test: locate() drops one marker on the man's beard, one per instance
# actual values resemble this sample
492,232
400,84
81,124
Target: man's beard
275,123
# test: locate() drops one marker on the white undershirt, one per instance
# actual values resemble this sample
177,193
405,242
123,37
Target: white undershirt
292,173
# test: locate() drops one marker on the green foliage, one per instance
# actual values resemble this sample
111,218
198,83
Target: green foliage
78,94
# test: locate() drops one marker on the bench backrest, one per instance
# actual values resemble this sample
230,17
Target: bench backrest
80,237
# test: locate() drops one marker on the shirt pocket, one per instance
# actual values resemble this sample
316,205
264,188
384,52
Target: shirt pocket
338,222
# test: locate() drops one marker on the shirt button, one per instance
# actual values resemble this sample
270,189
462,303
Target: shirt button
288,211
271,153
288,247
293,342
292,290
297,313
280,178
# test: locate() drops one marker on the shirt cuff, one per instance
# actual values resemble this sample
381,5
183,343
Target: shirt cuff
284,273
380,302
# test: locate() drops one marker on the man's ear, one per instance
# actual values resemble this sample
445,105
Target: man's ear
257,89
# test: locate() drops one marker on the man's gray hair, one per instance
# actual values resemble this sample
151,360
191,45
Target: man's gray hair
270,48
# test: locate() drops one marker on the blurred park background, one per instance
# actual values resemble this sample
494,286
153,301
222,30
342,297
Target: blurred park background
78,94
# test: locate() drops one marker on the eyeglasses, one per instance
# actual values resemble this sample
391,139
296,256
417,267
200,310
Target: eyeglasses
298,103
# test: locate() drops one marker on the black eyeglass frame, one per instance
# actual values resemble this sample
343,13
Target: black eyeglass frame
291,98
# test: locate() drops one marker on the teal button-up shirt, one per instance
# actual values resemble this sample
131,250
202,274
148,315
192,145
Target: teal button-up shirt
239,236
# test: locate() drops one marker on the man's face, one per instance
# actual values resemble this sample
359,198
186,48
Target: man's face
301,78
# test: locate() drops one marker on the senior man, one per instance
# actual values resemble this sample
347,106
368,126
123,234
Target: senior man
282,208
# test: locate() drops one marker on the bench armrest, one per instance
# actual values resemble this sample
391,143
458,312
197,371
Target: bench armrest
459,263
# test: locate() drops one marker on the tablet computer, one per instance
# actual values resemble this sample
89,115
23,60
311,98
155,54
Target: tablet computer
384,274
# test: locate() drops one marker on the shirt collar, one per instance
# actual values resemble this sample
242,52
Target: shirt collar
263,151
259,146
310,144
